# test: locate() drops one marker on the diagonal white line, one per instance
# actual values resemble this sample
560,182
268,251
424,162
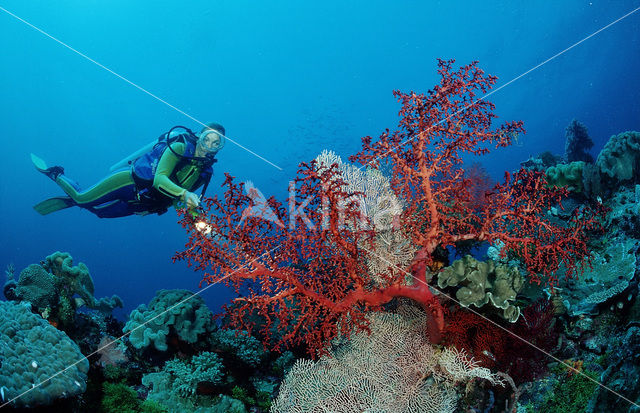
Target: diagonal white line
35,386
502,328
505,85
135,85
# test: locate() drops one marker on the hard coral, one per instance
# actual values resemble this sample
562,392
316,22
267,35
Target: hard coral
33,354
609,276
56,289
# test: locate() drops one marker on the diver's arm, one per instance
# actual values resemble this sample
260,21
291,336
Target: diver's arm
166,165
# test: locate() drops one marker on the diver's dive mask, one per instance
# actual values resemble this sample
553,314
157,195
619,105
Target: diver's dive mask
211,141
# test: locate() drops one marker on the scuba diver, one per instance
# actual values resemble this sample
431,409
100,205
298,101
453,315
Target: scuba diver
163,173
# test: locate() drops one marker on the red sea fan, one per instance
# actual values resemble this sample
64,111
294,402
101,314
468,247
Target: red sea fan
482,339
308,279
498,349
523,360
301,265
479,187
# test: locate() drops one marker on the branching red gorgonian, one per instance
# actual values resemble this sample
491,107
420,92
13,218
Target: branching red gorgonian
301,265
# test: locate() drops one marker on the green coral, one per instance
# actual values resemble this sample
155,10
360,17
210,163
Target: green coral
113,372
241,394
175,386
240,344
120,398
482,282
205,367
571,393
75,278
569,175
37,286
181,310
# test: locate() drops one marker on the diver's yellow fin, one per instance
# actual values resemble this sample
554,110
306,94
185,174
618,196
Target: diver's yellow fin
53,204
39,163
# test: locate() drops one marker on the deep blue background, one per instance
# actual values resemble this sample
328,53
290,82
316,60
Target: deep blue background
287,79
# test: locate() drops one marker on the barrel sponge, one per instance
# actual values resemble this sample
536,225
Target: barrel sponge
186,312
620,156
33,352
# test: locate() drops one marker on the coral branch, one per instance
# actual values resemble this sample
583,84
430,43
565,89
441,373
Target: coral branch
300,267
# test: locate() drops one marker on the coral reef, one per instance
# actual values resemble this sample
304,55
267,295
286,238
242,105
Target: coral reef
179,311
311,277
176,386
344,272
32,354
56,289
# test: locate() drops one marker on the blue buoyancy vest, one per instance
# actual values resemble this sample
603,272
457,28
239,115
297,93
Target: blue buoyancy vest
144,168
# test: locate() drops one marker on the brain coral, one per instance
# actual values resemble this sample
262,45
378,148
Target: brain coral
32,353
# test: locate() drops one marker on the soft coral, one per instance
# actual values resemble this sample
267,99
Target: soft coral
310,277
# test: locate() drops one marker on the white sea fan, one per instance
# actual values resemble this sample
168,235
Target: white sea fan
395,369
392,249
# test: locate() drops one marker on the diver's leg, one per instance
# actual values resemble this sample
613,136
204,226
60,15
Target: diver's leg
105,190
120,178
112,197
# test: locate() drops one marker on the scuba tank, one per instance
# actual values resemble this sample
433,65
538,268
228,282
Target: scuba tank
168,136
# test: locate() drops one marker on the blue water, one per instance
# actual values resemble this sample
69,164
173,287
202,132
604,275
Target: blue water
287,79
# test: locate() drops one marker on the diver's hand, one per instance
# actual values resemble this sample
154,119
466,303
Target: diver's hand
190,199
